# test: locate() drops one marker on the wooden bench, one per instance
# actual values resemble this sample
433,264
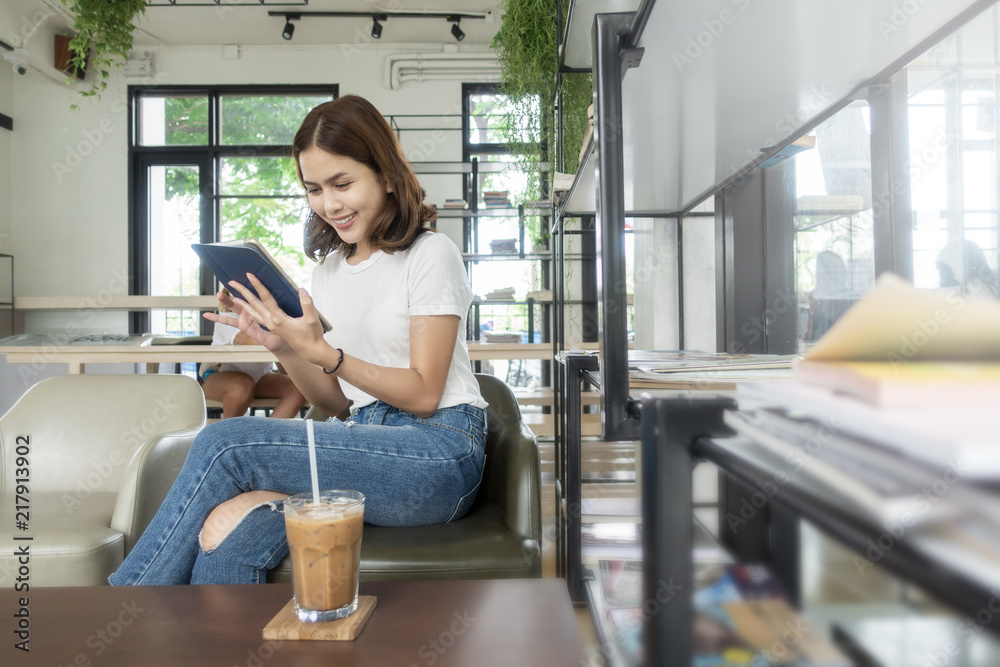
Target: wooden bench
544,425
265,404
543,396
528,397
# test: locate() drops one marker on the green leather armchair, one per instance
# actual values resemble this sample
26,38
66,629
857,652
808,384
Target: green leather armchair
88,459
499,538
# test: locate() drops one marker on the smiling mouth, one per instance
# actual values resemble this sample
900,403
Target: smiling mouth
343,222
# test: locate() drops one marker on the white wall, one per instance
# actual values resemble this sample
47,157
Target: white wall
69,192
6,108
656,289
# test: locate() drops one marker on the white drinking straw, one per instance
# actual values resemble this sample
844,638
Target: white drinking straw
312,461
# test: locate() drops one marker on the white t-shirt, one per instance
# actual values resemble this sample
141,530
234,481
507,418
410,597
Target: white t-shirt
369,307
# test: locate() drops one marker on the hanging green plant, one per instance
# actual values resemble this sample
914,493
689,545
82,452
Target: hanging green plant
103,38
577,95
527,48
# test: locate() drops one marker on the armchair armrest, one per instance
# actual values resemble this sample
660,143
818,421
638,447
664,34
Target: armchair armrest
149,476
522,500
512,478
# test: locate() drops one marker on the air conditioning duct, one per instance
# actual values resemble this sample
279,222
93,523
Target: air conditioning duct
440,66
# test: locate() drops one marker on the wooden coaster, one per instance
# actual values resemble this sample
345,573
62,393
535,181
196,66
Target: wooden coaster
286,625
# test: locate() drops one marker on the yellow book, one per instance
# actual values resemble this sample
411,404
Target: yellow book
887,384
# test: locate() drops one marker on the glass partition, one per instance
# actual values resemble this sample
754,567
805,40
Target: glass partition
834,237
952,115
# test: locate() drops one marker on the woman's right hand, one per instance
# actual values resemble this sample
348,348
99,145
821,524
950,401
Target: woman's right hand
246,324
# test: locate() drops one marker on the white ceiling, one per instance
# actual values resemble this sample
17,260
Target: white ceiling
239,22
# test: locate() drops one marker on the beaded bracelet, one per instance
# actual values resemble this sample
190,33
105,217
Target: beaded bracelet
339,362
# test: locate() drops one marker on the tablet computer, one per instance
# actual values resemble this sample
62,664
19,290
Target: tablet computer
233,260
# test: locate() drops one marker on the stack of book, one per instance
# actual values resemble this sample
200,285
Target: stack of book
502,337
915,371
742,617
562,182
540,295
501,294
542,204
503,246
496,199
455,203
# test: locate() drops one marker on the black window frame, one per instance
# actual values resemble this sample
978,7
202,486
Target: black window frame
206,157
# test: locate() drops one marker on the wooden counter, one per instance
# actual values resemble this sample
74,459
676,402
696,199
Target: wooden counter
77,356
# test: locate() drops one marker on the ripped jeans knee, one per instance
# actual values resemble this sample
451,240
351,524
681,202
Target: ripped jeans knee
242,539
227,516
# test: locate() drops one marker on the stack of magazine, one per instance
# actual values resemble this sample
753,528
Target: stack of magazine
687,369
742,618
899,394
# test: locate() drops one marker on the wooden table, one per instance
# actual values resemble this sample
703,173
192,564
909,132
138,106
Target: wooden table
77,356
502,623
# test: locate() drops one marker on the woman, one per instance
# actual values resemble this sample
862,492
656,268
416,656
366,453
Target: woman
397,296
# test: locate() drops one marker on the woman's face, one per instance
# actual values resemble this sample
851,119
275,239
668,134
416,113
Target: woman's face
346,194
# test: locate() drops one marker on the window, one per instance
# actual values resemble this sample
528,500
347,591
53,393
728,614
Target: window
504,239
498,186
952,113
212,164
834,235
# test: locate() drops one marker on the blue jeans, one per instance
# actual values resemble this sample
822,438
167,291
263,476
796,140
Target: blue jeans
413,472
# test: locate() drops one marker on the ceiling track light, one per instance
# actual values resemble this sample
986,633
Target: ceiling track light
379,17
289,28
456,31
376,26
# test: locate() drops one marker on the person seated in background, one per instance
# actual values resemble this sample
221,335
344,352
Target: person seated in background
237,384
830,298
962,264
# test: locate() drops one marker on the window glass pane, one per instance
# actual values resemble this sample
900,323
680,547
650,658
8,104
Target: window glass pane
834,238
260,198
980,168
258,176
173,121
511,180
502,186
494,280
174,225
928,167
429,138
491,113
270,120
953,160
277,222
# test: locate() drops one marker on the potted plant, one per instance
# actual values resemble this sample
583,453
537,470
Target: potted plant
103,38
527,52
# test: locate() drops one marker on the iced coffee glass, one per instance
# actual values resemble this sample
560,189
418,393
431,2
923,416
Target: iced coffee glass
325,544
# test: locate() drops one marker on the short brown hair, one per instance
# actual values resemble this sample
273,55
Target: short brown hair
352,127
